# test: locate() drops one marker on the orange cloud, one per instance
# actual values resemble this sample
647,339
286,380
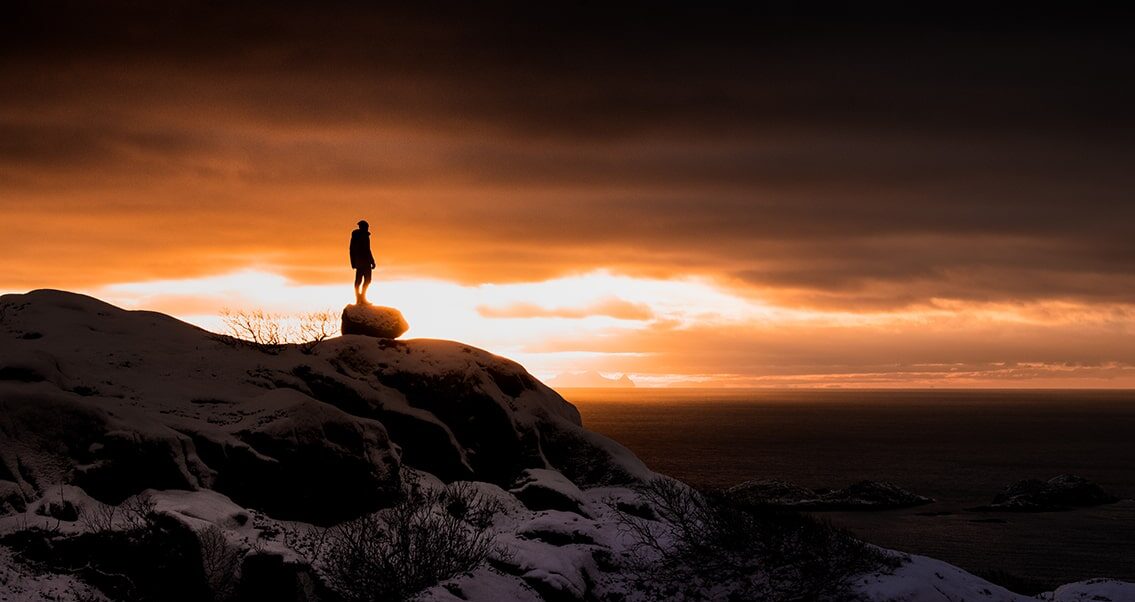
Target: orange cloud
155,149
697,334
853,212
612,307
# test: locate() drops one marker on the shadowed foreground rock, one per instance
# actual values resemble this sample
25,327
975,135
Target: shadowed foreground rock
116,402
374,321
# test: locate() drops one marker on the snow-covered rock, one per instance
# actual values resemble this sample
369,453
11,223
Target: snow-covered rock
374,321
117,402
1092,590
19,581
923,579
541,489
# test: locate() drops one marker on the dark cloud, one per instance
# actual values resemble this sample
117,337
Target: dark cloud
856,159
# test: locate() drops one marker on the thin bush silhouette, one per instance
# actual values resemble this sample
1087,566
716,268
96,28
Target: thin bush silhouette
702,546
427,537
273,332
220,562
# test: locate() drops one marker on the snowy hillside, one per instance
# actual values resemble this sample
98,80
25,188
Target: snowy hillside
131,439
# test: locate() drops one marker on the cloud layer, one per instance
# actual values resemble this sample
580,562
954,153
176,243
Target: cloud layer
856,163
835,160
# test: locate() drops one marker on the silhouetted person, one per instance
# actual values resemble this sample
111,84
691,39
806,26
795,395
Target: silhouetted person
362,260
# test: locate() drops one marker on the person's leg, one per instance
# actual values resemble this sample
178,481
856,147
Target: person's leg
358,281
366,282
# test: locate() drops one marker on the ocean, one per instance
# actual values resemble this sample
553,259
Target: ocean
957,446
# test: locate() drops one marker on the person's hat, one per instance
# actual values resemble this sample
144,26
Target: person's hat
363,223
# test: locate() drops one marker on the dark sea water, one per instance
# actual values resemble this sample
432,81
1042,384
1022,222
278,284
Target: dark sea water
959,447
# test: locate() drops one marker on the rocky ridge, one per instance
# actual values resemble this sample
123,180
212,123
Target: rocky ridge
116,402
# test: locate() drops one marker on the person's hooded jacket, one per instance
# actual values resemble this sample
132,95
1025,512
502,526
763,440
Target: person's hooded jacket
361,257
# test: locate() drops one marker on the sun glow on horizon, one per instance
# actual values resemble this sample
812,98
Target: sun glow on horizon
507,319
692,331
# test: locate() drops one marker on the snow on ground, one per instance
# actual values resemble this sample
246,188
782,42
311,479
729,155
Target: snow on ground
22,583
1093,590
923,579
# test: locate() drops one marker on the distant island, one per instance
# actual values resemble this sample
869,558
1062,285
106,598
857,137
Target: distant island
589,379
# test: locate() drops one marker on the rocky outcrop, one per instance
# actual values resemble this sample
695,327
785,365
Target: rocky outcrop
307,460
374,321
117,402
541,489
864,495
1062,492
283,452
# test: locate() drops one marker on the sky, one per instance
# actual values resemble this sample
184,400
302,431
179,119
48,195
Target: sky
706,196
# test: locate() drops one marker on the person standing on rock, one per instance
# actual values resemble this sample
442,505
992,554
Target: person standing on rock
362,260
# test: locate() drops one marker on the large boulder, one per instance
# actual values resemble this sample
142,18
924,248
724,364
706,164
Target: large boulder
374,321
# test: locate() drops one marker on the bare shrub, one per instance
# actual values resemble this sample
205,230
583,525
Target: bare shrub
315,327
98,518
273,332
140,512
391,555
463,502
135,513
220,562
703,546
257,327
128,551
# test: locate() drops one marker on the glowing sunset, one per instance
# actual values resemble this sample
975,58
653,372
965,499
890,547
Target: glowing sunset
599,302
806,237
